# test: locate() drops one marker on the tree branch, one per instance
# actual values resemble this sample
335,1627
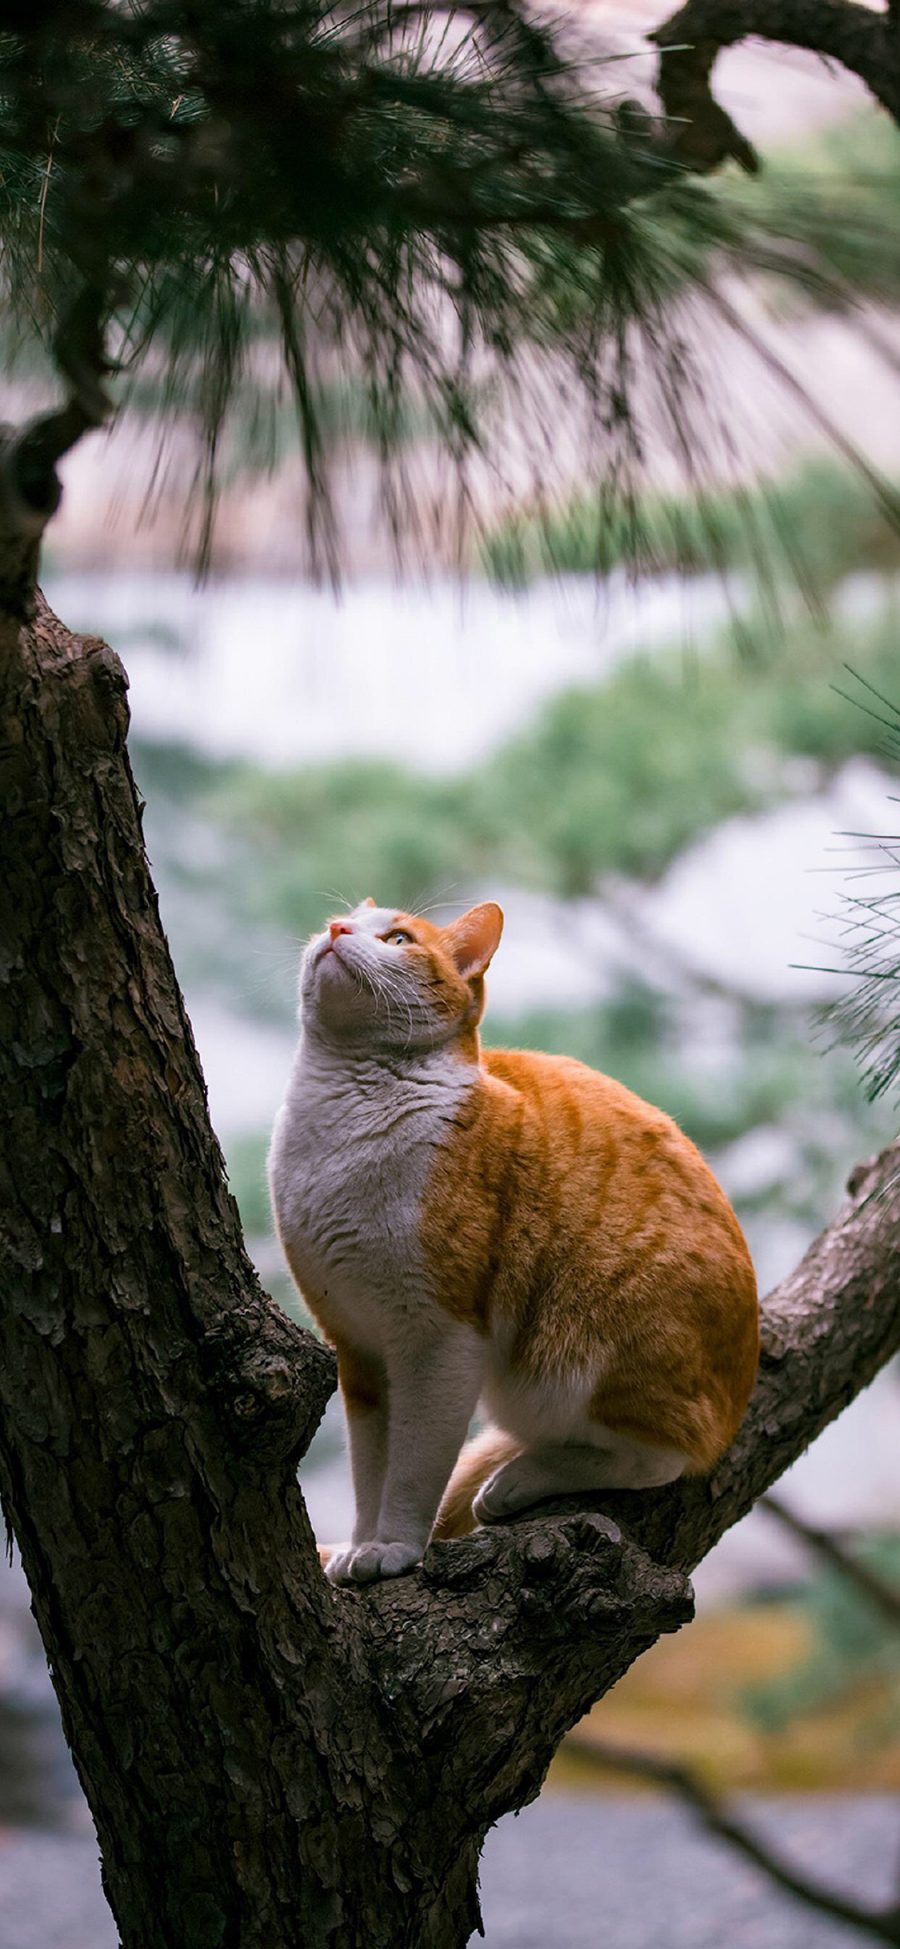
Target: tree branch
704,134
540,1616
718,1819
866,1581
30,488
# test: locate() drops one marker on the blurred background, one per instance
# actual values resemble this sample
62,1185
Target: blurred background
679,785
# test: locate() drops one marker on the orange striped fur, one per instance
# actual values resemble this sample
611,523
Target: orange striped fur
584,1260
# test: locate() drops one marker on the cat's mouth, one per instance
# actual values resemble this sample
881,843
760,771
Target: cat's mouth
329,952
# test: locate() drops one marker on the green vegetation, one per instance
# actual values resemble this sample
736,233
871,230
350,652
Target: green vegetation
833,198
821,523
247,1177
853,1645
772,1076
614,778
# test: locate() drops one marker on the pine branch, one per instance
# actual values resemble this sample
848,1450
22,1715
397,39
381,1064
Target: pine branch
690,41
30,488
419,192
377,186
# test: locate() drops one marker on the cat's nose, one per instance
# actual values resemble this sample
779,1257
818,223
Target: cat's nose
336,927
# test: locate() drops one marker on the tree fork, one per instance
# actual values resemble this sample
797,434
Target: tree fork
269,1761
253,1777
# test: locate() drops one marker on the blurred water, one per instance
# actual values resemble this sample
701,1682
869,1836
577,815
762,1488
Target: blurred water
431,676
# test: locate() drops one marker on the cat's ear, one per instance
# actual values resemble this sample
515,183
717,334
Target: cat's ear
474,938
368,902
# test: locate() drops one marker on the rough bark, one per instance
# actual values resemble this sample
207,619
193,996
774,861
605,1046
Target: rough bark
703,135
269,1761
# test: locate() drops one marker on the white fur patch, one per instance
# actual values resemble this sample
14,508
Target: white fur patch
353,1147
352,1150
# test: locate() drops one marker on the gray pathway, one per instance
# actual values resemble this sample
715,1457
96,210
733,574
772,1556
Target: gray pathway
571,1873
574,1872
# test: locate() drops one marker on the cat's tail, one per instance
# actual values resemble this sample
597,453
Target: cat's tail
478,1460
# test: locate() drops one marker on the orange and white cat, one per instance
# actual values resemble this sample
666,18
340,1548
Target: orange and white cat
494,1225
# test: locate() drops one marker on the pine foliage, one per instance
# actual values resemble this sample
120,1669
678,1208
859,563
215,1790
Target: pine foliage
380,187
428,211
423,204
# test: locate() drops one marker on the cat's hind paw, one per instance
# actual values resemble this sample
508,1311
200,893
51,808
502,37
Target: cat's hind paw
365,1563
509,1489
528,1479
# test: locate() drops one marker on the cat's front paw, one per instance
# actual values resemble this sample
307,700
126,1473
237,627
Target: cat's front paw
365,1563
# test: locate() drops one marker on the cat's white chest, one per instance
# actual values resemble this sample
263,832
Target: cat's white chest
352,1152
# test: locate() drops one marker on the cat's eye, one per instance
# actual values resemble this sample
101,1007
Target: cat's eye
397,938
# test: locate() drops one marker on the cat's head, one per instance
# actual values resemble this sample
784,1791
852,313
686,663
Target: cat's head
378,978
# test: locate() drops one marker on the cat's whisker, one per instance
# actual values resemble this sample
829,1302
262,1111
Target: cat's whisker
438,899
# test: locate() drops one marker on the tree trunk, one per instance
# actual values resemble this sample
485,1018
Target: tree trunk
269,1761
